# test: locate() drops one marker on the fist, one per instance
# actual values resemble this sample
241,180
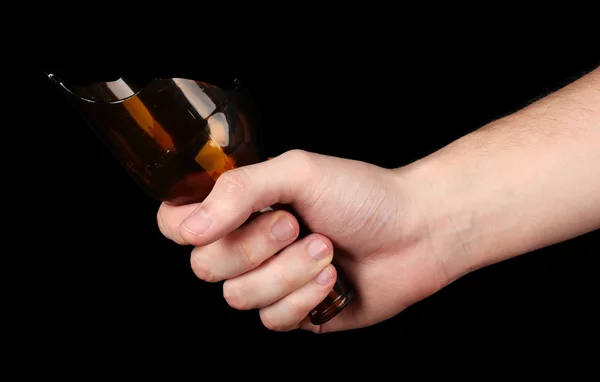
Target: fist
262,262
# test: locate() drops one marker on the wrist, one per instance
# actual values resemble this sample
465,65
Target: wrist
518,184
443,220
508,189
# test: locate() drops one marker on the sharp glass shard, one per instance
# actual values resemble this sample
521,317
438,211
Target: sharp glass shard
174,136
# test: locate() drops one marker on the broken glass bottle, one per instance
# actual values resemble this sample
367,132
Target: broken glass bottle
176,136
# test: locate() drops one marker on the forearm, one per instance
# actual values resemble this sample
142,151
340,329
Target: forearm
523,182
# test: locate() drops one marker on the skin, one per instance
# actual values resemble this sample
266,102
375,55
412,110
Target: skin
520,183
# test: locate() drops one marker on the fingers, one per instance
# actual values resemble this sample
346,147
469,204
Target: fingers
291,311
285,287
246,248
238,193
170,217
281,275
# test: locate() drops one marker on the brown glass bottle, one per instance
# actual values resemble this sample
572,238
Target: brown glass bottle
175,137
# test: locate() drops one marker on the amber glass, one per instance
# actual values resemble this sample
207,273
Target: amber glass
175,137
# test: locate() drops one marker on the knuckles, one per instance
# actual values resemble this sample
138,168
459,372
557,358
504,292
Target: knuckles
202,269
296,156
270,322
235,297
294,311
234,183
303,162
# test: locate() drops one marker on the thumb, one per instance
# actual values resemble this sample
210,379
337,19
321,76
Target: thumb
240,192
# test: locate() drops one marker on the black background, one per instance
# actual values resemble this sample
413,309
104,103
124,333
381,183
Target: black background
105,276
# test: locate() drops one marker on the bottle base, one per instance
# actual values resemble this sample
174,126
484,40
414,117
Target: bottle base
329,308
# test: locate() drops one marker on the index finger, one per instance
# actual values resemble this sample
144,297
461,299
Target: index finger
240,192
169,219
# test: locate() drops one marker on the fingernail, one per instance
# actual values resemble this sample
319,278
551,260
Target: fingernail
197,223
283,229
317,249
324,277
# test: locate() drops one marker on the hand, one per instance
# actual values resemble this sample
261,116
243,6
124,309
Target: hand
359,211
